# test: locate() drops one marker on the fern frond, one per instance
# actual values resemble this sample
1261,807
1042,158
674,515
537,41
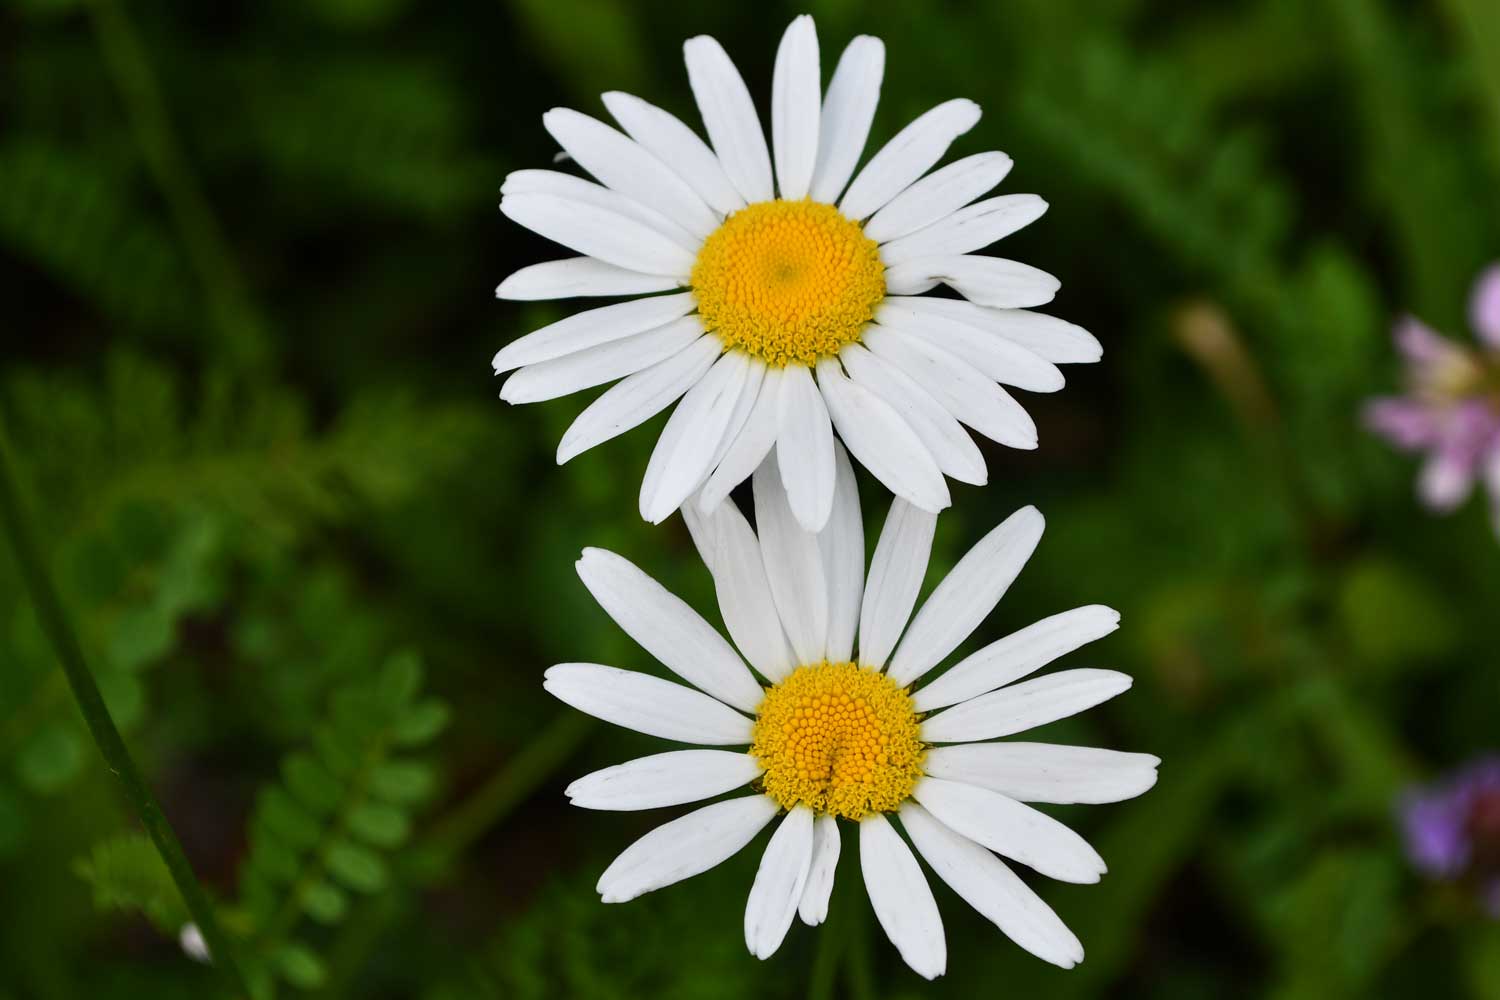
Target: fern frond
72,218
127,874
326,830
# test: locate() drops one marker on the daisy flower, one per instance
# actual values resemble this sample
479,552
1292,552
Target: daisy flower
836,737
794,303
1451,409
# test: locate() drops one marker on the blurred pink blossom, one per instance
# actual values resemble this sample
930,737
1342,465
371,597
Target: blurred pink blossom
1450,411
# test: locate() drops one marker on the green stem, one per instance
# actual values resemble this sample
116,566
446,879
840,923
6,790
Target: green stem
208,250
505,789
54,622
823,977
859,964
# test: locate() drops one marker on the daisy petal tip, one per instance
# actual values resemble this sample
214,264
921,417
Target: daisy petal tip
932,971
1032,514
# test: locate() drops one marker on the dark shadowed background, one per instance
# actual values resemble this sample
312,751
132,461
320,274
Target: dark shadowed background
249,252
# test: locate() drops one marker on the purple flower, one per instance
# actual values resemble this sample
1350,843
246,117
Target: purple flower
1451,409
1452,829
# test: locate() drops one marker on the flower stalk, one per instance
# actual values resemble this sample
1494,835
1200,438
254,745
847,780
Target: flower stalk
54,622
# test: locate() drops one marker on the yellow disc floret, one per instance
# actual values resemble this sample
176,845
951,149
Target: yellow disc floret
788,281
840,739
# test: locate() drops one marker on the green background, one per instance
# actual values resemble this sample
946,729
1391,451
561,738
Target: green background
248,254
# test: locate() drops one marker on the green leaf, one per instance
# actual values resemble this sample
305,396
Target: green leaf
340,754
311,783
300,967
381,825
50,759
281,814
275,860
402,781
325,903
139,636
127,873
357,867
421,723
401,679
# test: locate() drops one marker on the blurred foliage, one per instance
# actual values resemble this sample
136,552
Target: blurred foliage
253,247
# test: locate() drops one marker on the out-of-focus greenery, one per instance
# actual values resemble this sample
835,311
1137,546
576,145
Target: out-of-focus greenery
248,252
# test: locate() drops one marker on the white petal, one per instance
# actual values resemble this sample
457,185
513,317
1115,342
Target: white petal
592,328
647,704
744,593
664,779
623,165
677,146
985,883
895,578
605,363
882,441
1046,772
908,156
795,100
901,898
579,276
1047,337
756,371
938,195
664,626
1026,705
588,195
794,566
750,447
638,398
685,451
1002,360
939,431
689,845
967,230
989,281
804,448
778,883
729,115
842,546
1017,655
825,862
701,532
1011,829
963,390
848,109
598,232
967,595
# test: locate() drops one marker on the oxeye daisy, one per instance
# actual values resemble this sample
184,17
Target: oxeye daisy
794,283
837,736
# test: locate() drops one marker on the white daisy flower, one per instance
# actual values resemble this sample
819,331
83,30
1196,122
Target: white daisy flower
855,735
796,305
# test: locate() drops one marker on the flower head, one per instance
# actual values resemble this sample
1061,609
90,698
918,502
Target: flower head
1451,409
844,726
797,305
1452,829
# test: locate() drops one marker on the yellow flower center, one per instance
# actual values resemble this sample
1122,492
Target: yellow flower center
840,739
788,281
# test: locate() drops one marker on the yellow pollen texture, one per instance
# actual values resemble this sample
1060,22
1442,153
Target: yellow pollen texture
788,281
840,739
